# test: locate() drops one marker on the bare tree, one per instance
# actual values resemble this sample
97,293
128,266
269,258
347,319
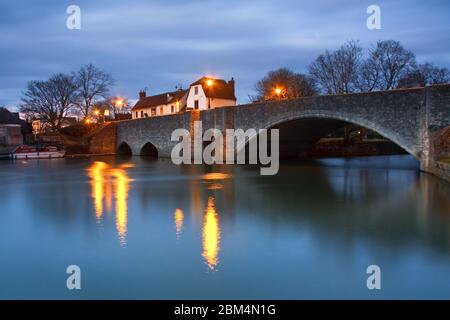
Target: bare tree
65,88
94,85
336,72
50,100
114,105
387,63
369,76
284,83
424,75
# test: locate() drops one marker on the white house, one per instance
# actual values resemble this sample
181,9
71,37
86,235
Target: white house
205,93
208,93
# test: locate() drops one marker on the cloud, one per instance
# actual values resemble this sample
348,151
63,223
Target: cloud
159,44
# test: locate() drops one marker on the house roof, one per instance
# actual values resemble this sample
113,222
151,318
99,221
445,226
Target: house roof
220,88
159,99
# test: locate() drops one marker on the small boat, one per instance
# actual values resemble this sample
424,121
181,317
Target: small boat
31,152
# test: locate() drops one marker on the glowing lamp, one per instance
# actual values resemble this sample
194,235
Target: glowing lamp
119,103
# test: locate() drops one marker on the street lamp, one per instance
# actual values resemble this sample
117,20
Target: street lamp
209,83
119,103
105,114
279,92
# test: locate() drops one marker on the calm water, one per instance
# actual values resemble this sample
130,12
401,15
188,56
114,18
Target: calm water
147,229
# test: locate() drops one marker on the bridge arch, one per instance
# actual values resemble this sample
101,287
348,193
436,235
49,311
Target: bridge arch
149,150
309,128
124,149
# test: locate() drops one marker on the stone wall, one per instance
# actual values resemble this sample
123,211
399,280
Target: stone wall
441,143
103,141
154,130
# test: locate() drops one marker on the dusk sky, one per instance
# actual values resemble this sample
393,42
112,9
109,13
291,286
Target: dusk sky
158,44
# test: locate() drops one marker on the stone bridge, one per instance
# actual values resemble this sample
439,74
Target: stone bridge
417,120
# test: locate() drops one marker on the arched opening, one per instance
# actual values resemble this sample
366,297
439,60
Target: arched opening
149,150
124,149
321,137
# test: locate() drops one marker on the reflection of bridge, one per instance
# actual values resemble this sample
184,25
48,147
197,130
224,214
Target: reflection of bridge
418,120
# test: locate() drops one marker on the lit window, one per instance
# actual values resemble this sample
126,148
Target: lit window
161,110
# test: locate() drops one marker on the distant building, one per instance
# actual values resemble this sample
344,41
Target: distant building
205,93
159,105
10,135
40,126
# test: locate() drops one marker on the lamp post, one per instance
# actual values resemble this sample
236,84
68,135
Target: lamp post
279,92
118,103
209,83
105,114
97,113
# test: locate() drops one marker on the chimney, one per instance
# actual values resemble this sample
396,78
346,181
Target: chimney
142,94
231,84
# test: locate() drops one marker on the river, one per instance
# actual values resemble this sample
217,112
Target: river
142,228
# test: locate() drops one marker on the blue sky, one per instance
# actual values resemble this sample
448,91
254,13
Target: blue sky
159,44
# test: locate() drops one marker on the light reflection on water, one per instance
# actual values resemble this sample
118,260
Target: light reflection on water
223,231
104,180
179,218
211,235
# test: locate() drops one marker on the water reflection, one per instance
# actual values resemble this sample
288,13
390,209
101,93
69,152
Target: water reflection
104,181
216,176
121,184
330,222
96,173
211,235
179,218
